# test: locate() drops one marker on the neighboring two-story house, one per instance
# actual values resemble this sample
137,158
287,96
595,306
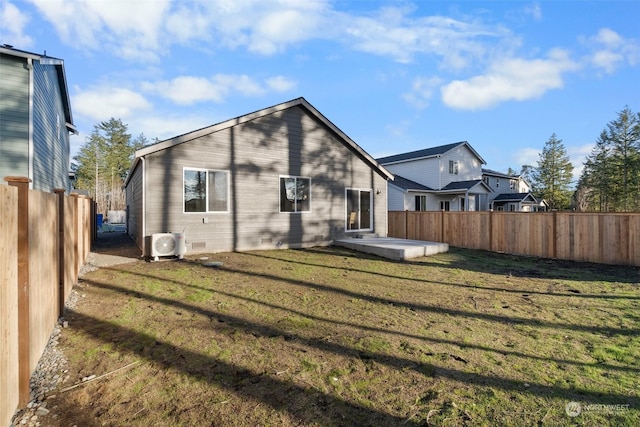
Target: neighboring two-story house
448,177
35,119
510,193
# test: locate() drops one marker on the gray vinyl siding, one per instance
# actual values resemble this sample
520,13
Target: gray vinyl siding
397,199
14,117
256,154
134,206
50,135
423,171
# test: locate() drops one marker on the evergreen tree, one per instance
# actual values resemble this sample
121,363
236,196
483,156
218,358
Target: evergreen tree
102,163
624,138
611,176
526,172
596,182
552,177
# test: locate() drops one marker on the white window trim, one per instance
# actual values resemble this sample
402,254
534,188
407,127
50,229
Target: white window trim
346,212
280,195
185,168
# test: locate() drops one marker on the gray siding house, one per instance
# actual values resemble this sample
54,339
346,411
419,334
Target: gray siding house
35,119
510,193
281,177
447,177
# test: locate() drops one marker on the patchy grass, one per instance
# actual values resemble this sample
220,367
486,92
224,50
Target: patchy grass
332,337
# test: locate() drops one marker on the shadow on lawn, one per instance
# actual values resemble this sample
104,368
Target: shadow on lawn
463,266
278,394
101,329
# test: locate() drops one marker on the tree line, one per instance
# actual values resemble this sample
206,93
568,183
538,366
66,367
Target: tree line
102,163
610,180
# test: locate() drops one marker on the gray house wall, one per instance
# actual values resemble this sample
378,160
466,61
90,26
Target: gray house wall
14,117
50,134
291,142
134,198
34,124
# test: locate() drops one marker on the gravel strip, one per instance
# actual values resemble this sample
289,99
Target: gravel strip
50,372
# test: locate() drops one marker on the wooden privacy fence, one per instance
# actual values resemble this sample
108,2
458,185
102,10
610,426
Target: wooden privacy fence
44,241
606,238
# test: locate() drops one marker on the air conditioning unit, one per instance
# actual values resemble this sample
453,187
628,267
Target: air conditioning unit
167,244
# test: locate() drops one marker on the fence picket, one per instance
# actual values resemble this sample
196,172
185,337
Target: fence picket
606,238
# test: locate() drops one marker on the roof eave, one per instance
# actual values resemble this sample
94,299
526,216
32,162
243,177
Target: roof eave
261,113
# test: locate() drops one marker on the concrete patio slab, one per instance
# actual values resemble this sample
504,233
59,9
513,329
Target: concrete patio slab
392,248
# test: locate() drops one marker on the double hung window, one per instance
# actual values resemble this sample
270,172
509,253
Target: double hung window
453,167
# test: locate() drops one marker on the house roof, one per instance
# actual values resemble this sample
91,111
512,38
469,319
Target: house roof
298,102
462,185
499,174
62,80
408,185
515,197
427,153
452,188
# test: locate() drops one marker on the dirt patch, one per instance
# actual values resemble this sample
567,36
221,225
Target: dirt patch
331,337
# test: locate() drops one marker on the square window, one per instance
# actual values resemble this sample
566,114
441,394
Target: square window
295,194
206,190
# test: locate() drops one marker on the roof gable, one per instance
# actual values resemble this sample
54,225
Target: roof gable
427,153
515,197
62,79
301,102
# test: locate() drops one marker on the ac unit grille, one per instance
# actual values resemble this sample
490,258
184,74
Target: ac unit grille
167,244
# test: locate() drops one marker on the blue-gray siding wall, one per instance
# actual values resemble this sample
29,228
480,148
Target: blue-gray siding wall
14,117
50,135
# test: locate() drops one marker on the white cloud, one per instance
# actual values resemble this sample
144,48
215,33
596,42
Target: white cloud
186,90
526,156
13,23
609,50
104,102
421,91
130,29
395,34
534,10
281,84
145,30
511,79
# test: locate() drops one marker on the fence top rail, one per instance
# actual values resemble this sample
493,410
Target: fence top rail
521,213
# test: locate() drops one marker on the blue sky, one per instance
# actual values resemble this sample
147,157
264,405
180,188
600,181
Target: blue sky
395,76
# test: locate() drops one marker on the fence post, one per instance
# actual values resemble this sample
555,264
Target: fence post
61,245
24,329
441,225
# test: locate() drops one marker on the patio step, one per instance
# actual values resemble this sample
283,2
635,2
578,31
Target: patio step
392,248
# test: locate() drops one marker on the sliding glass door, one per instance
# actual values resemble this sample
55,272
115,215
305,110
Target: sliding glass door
359,209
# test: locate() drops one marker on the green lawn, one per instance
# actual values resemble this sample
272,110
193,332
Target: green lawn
332,337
